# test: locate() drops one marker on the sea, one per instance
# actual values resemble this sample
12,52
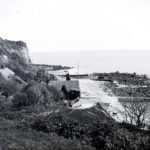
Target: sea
87,62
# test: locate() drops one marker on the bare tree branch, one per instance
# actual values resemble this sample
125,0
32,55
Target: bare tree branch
136,111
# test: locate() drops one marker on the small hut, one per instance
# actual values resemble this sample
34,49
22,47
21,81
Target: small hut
70,88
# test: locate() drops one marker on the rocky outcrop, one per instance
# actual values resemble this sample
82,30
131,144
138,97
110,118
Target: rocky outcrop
6,73
14,54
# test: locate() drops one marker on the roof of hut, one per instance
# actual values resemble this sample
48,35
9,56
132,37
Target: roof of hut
70,85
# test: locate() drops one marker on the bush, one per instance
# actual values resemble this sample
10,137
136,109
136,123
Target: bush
20,99
106,135
32,94
55,93
8,88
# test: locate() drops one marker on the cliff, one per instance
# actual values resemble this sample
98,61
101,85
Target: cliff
14,54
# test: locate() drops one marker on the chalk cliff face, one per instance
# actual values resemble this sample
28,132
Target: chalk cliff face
14,53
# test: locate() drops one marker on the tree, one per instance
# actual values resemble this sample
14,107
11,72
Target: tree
136,111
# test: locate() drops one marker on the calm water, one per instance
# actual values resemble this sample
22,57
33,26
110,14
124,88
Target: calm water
97,61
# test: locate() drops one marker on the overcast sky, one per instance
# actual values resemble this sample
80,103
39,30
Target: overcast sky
49,25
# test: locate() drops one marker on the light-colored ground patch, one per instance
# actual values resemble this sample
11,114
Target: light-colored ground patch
92,92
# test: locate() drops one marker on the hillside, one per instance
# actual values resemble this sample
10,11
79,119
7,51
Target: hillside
34,114
25,95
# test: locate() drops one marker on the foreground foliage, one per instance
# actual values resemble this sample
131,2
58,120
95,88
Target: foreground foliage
37,119
101,135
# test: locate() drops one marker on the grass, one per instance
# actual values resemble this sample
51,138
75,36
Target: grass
16,133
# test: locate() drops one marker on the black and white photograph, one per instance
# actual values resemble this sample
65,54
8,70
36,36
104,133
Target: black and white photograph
74,74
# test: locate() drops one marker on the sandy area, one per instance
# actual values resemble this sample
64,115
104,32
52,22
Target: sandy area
92,92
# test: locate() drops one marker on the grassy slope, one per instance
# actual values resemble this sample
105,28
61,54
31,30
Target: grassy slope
16,134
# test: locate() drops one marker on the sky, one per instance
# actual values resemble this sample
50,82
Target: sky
58,25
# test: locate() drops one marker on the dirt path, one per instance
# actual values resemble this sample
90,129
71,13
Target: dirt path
92,92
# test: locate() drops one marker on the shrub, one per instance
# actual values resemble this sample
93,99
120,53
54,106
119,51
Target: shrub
55,93
32,94
106,135
20,99
9,87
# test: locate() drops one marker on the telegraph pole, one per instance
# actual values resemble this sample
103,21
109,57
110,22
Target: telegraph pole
78,69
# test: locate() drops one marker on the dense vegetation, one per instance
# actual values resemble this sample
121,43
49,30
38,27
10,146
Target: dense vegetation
123,78
126,84
129,91
101,134
58,130
42,123
33,116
